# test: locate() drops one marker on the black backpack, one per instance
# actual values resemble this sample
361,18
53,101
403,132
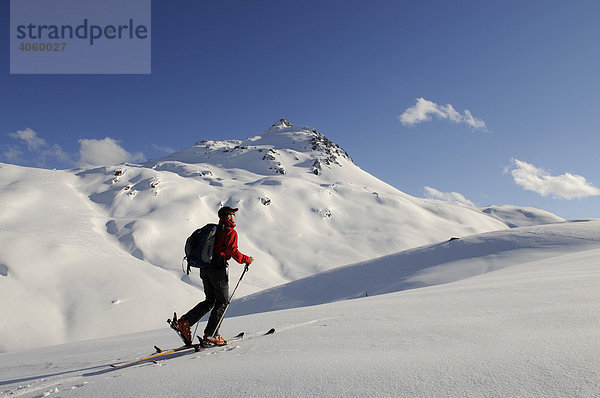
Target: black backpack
199,247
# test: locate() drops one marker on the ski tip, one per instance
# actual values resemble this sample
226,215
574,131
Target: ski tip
158,350
239,336
271,331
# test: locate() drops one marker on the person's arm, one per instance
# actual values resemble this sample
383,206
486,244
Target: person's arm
231,248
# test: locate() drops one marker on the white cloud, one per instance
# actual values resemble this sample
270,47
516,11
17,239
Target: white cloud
12,154
424,110
42,151
34,150
105,152
566,186
30,137
474,122
433,193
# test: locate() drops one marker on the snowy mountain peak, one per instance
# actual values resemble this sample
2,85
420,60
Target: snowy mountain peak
281,148
281,124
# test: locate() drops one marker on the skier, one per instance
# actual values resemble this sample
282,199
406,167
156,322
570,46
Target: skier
216,280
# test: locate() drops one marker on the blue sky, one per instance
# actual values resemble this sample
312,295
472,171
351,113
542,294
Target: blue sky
501,100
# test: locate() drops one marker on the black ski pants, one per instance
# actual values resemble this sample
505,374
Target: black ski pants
216,290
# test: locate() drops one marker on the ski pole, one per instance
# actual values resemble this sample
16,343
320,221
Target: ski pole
229,301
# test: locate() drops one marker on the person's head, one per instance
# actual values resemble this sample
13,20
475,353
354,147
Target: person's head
227,213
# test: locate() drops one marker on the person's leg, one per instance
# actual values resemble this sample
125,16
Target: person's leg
220,282
194,315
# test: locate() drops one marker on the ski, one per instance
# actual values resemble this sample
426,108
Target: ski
239,336
159,352
195,347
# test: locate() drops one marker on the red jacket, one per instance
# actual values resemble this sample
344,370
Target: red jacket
226,243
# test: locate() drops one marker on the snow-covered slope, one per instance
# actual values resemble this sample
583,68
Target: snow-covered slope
429,265
88,247
62,277
530,329
514,216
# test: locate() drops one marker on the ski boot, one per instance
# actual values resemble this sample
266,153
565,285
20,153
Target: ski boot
210,340
182,327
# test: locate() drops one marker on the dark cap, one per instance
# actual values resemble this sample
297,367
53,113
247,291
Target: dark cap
224,211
